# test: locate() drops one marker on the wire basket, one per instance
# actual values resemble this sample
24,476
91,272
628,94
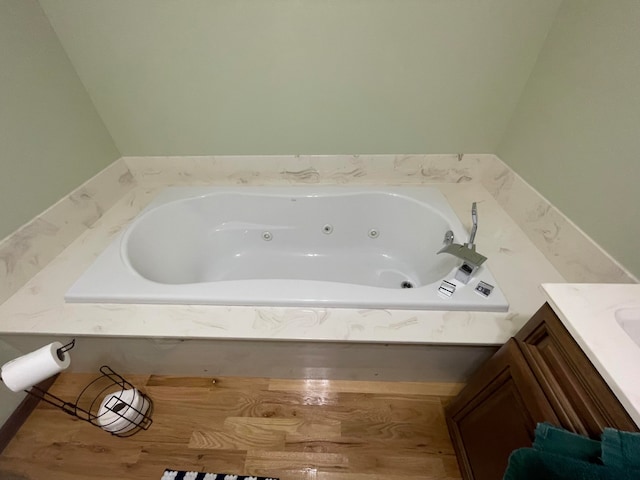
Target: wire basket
115,405
109,402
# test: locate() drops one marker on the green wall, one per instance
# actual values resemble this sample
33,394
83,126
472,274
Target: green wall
303,76
51,137
575,135
560,104
8,400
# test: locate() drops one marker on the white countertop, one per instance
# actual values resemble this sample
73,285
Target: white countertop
588,312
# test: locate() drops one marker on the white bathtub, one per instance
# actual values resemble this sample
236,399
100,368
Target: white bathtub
288,246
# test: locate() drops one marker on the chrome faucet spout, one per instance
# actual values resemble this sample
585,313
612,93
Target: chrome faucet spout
471,259
465,253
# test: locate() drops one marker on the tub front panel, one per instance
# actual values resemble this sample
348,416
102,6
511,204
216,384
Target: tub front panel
330,246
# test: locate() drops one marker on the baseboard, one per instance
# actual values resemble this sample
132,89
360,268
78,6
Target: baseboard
21,413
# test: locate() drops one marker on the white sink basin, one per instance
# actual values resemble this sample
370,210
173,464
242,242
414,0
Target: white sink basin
629,320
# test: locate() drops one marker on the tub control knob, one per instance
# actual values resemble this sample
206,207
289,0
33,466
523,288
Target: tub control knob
484,289
447,288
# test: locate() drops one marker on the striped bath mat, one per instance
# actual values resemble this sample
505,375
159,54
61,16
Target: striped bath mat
180,475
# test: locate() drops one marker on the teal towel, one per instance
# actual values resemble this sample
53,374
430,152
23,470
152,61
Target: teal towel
621,449
549,438
531,464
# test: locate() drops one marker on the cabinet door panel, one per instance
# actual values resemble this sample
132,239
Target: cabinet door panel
539,375
496,413
581,398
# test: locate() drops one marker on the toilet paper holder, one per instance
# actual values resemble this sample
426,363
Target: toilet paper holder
65,348
109,402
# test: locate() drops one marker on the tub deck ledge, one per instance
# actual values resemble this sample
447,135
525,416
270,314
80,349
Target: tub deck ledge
38,308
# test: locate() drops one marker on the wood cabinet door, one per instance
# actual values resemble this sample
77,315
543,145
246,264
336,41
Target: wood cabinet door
580,397
496,413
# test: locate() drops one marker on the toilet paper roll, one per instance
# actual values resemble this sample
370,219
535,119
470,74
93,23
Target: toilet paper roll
24,372
122,411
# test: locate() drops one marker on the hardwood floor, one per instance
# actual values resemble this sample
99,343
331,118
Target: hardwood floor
291,429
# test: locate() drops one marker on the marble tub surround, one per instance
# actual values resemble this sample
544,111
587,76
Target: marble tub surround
518,264
25,252
588,311
308,169
39,308
572,252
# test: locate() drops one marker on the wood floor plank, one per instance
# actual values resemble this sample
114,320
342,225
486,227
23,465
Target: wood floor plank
393,408
351,386
450,463
71,458
237,383
390,430
369,446
287,429
19,470
180,400
290,426
47,420
215,439
430,465
373,476
266,403
170,381
260,462
173,428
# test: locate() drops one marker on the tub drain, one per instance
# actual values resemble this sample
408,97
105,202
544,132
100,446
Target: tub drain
406,284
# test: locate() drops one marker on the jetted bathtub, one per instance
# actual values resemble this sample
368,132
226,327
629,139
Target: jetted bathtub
362,247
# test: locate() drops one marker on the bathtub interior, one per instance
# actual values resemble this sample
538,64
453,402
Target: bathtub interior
352,247
361,238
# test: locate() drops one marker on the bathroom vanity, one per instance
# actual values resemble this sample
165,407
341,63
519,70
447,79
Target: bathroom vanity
544,373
